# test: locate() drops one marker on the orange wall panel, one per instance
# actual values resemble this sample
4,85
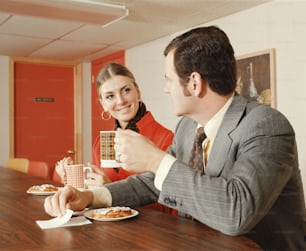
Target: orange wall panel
44,108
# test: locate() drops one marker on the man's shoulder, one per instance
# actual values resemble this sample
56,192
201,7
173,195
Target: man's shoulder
265,117
185,126
254,108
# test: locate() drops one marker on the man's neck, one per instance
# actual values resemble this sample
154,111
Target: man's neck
209,106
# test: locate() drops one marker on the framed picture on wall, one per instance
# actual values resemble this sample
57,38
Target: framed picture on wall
256,76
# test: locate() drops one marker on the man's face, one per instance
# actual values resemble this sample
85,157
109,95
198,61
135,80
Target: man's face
181,103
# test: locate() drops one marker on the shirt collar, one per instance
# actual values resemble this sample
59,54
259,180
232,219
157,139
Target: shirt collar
212,126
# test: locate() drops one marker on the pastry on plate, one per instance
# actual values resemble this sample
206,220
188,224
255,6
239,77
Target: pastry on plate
111,212
48,188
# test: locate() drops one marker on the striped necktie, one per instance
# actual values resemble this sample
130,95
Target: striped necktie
196,156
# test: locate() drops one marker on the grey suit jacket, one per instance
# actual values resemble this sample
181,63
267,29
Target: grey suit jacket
252,184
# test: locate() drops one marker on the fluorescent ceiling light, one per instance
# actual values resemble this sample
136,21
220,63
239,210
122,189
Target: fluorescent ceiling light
125,11
111,5
83,11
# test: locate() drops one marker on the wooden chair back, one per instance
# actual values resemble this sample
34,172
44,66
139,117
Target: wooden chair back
18,164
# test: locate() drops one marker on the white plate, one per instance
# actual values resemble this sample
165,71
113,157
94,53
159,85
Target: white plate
89,213
79,213
37,192
40,193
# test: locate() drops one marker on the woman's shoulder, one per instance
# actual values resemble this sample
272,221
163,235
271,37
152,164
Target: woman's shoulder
155,131
148,122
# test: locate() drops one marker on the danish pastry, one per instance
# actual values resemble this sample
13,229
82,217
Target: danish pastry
42,188
112,212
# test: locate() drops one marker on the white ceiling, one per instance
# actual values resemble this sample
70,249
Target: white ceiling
26,32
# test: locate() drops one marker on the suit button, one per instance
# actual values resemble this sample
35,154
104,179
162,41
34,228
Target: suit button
167,200
173,203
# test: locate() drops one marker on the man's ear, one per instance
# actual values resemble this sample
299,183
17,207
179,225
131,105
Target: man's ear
197,84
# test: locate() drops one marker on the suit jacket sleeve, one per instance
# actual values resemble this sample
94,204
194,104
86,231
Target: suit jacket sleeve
251,162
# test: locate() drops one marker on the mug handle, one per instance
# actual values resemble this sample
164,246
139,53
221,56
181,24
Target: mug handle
87,169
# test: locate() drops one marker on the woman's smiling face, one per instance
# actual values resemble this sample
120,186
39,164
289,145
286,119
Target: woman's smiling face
120,97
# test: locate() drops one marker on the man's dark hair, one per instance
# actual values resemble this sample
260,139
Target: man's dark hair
208,51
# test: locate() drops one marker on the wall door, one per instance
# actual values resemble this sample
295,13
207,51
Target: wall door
97,123
43,111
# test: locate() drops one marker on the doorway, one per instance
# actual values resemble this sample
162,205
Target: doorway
46,121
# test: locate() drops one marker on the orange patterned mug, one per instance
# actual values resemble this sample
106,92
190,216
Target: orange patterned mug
107,151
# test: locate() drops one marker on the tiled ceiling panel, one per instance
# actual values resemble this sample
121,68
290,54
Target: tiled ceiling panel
63,30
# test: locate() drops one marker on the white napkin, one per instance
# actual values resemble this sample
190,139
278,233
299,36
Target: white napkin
64,221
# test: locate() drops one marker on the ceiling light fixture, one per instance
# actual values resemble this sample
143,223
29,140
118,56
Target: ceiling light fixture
94,12
107,5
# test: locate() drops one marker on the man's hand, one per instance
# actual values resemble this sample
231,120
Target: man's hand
137,153
68,197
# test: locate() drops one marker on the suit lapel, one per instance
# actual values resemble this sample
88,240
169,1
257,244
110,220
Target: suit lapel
222,143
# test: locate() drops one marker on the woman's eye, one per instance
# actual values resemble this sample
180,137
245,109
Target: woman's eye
126,90
109,97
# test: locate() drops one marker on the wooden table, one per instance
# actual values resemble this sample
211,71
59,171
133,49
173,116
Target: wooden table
150,230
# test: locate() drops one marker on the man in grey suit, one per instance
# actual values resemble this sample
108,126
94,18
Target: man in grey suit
250,183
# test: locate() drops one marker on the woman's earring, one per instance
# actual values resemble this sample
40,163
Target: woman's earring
105,115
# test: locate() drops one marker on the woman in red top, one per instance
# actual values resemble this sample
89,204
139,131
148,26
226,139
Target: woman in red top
120,96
